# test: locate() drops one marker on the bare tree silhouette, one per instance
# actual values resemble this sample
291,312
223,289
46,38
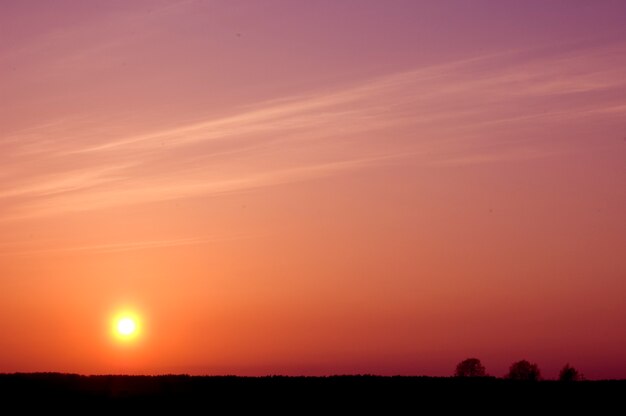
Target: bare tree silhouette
524,370
569,373
471,367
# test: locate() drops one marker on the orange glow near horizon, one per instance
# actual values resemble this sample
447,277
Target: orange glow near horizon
312,188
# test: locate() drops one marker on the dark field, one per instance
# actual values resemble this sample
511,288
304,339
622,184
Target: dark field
299,394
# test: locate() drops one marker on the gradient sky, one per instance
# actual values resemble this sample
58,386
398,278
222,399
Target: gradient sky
313,188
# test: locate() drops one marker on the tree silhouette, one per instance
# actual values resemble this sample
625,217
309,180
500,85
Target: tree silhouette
569,373
471,367
524,370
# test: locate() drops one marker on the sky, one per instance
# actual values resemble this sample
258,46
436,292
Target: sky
328,187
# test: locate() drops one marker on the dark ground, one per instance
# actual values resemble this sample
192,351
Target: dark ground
295,395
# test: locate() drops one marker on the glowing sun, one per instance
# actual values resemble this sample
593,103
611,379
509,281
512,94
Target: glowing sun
126,326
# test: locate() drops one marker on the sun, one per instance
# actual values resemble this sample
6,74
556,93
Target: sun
126,326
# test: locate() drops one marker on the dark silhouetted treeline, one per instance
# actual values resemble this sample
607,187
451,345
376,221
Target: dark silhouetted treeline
295,395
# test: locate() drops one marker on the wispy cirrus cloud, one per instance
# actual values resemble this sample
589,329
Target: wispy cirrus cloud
15,249
439,114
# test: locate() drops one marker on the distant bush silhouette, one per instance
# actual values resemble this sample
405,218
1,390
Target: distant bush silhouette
524,370
471,367
569,373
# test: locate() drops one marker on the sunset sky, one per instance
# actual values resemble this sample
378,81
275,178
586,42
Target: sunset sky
313,187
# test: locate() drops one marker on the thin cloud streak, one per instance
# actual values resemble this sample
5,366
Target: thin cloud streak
179,188
128,246
429,114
